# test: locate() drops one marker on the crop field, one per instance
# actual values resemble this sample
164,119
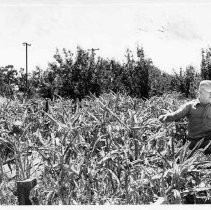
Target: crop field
106,150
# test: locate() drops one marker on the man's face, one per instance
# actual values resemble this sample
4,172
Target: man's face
204,96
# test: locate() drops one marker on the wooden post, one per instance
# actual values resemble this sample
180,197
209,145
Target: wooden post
23,190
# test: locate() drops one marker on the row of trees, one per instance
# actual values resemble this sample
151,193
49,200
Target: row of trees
75,76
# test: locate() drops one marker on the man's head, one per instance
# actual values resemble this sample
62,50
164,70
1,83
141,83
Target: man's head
205,91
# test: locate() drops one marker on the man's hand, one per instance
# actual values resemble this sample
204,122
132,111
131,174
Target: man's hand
163,118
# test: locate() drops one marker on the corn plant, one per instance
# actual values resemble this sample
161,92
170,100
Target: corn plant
110,149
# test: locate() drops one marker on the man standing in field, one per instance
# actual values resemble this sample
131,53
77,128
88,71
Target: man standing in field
198,113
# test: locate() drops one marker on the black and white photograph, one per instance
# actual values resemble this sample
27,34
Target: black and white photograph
105,103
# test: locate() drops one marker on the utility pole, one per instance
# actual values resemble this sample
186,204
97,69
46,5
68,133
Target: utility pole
26,44
93,51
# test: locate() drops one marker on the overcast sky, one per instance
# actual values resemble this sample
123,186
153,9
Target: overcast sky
172,33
